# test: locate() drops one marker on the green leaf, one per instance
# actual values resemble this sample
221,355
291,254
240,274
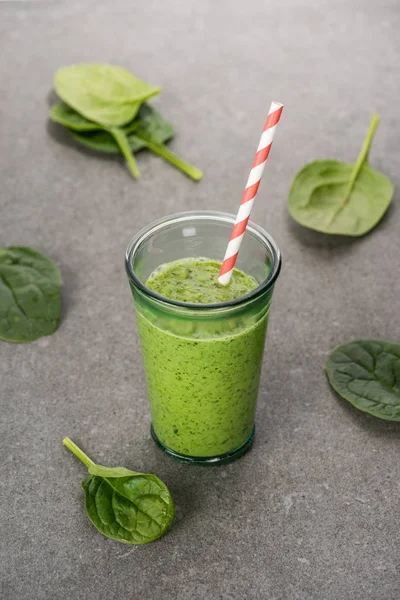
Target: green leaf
152,126
30,303
102,141
148,120
65,115
100,103
338,198
129,507
149,130
106,94
367,374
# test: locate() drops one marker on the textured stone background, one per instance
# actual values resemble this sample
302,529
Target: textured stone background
312,512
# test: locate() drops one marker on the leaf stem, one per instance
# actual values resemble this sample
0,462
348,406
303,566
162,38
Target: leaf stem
78,452
123,144
363,156
358,165
172,158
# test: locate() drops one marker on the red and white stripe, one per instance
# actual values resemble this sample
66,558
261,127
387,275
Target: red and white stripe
250,192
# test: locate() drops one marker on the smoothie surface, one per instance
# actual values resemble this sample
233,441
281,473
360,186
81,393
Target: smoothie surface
195,280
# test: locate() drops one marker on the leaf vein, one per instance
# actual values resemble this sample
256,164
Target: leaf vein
5,282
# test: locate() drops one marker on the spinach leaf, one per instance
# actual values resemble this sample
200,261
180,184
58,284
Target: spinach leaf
149,130
367,374
65,115
148,121
68,117
108,95
338,198
129,507
30,303
152,126
101,141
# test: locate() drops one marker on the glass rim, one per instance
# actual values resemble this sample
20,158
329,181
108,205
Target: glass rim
159,224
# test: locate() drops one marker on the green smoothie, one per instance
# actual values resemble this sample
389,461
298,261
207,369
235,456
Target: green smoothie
202,372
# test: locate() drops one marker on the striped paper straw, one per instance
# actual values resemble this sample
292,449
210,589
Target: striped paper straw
250,192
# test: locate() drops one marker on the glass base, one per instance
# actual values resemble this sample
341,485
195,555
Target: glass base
221,459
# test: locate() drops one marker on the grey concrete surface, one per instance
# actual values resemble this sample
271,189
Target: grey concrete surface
312,512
